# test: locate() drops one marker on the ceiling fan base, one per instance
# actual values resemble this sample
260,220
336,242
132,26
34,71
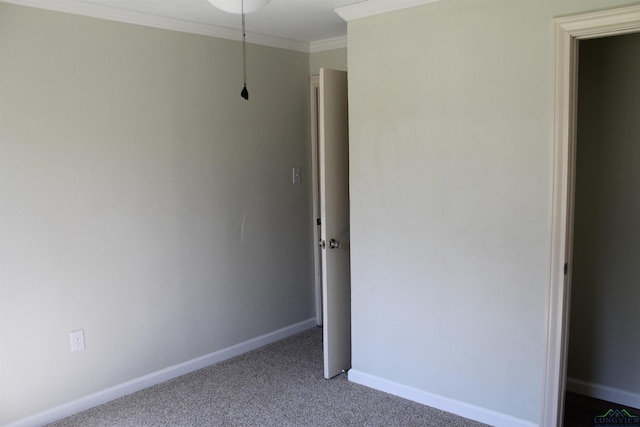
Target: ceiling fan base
235,6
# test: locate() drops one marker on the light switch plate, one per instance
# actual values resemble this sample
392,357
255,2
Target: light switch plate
297,175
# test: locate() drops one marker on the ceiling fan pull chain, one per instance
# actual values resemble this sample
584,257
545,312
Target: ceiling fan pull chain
245,92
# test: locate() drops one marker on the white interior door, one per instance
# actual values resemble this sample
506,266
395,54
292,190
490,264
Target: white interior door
334,209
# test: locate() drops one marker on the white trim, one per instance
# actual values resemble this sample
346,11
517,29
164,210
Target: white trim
567,32
376,7
557,291
138,18
111,393
603,392
453,406
328,44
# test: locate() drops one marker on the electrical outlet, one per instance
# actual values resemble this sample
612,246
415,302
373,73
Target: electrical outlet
77,340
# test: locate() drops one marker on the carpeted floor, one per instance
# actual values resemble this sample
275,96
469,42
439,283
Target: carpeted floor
277,385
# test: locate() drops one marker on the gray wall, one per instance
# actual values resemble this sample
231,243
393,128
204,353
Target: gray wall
450,161
143,200
604,345
335,59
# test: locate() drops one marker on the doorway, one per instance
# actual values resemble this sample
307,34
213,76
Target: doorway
314,96
569,31
603,349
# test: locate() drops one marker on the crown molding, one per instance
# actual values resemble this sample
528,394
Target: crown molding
130,17
328,44
376,7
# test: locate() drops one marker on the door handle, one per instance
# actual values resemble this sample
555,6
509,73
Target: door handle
335,244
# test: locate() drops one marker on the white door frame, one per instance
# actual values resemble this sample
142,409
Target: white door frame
567,32
314,85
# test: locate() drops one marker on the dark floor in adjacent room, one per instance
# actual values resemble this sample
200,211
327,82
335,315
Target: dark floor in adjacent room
581,411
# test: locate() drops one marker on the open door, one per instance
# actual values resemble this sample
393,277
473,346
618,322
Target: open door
334,209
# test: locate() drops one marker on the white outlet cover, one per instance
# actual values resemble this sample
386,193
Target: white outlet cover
77,340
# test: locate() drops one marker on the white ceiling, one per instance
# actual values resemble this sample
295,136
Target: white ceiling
299,20
306,25
295,20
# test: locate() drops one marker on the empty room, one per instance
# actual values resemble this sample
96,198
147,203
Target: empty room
157,219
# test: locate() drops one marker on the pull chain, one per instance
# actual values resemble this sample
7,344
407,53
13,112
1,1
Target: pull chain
245,92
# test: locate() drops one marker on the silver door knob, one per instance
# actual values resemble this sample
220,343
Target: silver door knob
335,244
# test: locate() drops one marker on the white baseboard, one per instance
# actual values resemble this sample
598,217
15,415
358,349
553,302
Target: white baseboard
462,409
603,392
137,384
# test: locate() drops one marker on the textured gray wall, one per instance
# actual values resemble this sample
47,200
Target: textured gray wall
451,135
143,200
